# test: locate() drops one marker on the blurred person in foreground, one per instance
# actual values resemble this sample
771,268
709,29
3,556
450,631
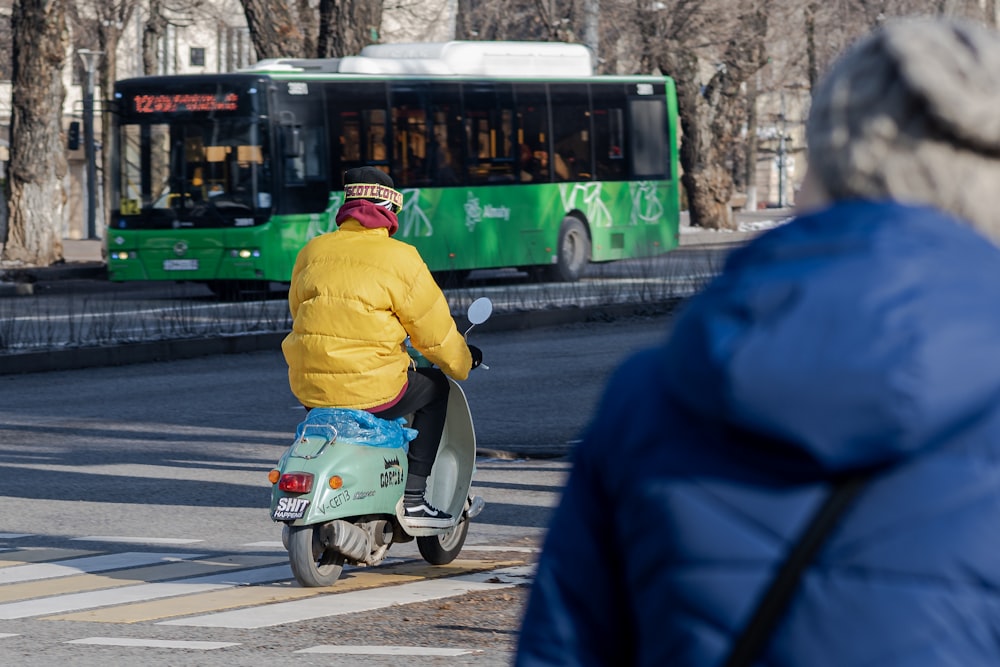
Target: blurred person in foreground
863,336
356,294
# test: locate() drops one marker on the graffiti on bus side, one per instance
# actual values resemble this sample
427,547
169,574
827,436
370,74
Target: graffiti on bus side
646,205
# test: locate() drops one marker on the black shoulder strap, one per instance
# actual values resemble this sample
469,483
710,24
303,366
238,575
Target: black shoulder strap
773,604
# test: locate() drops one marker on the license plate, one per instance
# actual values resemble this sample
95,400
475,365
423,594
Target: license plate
180,265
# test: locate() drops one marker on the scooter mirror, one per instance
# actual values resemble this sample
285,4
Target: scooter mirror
480,310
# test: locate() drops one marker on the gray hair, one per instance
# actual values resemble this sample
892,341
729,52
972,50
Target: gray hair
912,113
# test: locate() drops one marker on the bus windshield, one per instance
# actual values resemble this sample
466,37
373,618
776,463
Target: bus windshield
204,172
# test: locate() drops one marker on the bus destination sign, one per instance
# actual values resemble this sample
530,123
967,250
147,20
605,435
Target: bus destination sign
180,102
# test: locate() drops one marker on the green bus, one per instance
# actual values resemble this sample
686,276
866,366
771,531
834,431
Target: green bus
509,154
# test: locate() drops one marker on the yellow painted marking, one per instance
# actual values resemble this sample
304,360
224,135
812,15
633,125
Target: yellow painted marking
139,575
353,579
39,555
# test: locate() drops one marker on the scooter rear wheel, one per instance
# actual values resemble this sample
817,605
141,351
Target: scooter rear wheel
443,548
313,565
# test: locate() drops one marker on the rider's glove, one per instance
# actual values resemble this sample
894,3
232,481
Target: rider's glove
477,355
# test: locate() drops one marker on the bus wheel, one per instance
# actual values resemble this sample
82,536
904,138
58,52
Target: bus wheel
573,251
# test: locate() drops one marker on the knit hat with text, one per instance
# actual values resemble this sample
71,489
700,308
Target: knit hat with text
374,185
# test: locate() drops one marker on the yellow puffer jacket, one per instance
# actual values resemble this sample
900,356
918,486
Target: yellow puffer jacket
355,296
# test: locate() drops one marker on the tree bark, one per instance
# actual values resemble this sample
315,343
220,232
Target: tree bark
273,30
155,26
37,153
354,24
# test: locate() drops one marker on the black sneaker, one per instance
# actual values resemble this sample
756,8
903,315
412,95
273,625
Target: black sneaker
418,513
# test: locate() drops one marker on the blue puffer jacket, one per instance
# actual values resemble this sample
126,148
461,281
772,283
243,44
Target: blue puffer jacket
864,335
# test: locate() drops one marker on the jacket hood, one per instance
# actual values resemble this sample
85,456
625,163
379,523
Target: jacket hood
855,336
370,215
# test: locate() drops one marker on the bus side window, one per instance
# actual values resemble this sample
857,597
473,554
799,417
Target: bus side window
609,131
571,135
444,153
489,128
533,132
648,143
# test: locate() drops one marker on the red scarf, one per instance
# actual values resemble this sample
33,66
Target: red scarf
369,215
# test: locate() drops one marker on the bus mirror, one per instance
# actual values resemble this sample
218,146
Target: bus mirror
291,139
73,136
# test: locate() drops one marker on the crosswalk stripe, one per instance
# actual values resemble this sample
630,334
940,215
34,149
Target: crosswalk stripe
358,601
353,579
127,594
153,643
389,650
30,555
136,540
119,578
103,563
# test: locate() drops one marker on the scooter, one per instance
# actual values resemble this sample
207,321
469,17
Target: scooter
338,488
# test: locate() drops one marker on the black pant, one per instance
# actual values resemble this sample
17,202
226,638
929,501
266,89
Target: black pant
426,397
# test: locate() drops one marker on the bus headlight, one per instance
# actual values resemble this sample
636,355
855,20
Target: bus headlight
245,253
123,255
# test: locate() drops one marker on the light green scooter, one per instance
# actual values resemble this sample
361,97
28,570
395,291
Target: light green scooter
339,487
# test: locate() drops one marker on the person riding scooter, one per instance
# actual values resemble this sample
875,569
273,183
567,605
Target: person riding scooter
356,294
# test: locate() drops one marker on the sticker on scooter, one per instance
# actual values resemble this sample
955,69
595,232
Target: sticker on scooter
290,508
393,474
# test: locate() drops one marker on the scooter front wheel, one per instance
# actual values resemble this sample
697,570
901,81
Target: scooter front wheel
443,548
313,565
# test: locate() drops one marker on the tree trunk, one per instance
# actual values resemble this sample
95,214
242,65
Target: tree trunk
273,30
812,61
711,116
354,25
155,26
327,18
308,27
109,35
37,153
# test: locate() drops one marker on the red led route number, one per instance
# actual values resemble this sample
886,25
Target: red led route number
185,102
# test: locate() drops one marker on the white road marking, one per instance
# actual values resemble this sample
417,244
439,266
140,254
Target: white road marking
13,536
152,643
141,592
135,540
357,601
484,547
4,635
388,650
72,566
266,545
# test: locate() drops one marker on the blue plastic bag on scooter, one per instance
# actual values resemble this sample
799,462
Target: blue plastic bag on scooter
355,426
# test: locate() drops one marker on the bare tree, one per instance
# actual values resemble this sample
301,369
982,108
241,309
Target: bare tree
105,19
711,51
37,156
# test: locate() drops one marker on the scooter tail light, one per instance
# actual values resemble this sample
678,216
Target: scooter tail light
336,482
274,476
296,482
